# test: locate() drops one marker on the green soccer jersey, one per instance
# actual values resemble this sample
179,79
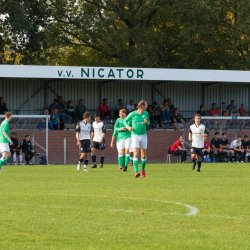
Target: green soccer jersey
122,134
137,122
4,128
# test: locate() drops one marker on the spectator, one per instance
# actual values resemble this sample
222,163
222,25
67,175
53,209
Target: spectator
53,106
217,147
225,146
104,109
214,112
171,106
202,112
207,148
130,107
15,148
136,106
242,110
233,109
42,123
55,119
151,117
63,110
157,116
245,147
27,149
71,110
80,110
179,149
3,106
118,107
178,120
225,112
163,109
235,146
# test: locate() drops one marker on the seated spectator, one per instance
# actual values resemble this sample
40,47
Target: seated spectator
118,107
3,106
71,110
202,112
63,110
130,107
80,110
217,147
15,148
163,109
207,148
225,146
55,119
151,117
53,106
157,116
136,106
242,110
245,147
171,107
225,112
214,112
233,109
42,123
178,120
27,149
179,149
104,110
235,146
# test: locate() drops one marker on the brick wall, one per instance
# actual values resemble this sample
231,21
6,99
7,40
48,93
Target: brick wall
158,141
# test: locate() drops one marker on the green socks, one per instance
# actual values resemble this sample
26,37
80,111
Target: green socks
143,164
120,160
131,160
135,162
7,160
123,160
127,158
2,161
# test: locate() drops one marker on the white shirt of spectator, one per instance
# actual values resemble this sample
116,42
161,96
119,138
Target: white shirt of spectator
84,130
98,129
197,142
235,143
130,108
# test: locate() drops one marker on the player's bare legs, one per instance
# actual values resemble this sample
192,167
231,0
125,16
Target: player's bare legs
143,161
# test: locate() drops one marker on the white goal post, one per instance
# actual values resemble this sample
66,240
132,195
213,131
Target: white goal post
29,122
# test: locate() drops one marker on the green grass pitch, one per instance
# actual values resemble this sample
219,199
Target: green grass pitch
57,207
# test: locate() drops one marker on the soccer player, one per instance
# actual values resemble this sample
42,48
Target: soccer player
27,149
120,159
98,133
5,140
140,120
83,129
197,132
15,148
236,147
225,146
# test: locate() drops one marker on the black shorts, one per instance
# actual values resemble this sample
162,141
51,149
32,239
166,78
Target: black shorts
85,146
17,151
197,151
99,146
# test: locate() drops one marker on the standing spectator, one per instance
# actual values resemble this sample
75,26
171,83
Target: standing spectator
225,112
164,111
15,149
63,110
55,119
118,107
130,107
202,112
3,106
42,123
214,112
71,110
245,147
179,149
80,110
171,106
178,120
104,109
233,109
157,116
27,149
242,110
238,151
217,147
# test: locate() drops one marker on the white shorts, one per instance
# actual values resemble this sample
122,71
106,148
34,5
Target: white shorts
118,147
139,141
4,147
125,143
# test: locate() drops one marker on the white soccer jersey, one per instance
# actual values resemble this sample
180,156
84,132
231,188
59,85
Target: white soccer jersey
98,129
196,131
235,143
84,130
